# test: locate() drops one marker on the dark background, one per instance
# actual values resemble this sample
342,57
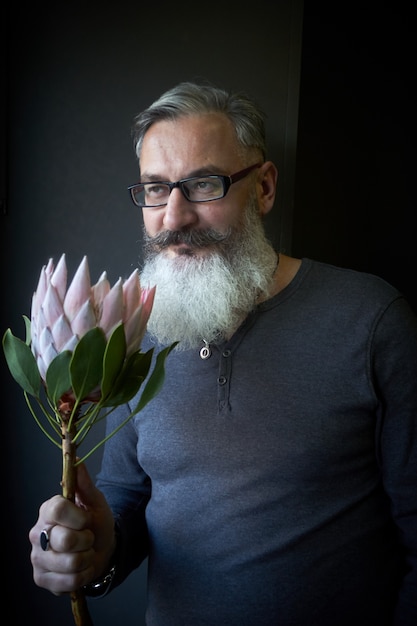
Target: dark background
337,86
355,199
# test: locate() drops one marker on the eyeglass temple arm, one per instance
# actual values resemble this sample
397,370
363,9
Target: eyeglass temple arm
243,173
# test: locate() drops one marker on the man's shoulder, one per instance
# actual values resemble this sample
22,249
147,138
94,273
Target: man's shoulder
348,280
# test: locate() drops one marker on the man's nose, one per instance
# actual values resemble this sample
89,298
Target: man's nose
179,212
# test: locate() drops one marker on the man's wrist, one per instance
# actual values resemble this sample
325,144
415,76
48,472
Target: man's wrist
98,588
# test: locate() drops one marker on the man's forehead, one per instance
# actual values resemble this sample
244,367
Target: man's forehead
195,141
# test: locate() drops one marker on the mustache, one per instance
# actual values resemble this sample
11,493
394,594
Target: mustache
194,238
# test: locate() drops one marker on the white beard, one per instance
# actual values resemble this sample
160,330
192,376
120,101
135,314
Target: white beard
207,298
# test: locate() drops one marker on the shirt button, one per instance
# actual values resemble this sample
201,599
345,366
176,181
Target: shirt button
222,380
226,353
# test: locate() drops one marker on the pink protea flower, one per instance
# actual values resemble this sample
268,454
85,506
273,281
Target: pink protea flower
82,355
80,360
60,317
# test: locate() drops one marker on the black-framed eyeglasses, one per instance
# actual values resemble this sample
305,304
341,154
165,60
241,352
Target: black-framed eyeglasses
194,189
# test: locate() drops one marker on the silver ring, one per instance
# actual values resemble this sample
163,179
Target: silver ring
44,540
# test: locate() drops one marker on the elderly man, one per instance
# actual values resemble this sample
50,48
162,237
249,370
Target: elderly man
273,480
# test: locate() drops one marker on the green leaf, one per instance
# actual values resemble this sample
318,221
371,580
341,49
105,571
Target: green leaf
113,360
21,363
58,378
156,379
131,377
86,367
28,329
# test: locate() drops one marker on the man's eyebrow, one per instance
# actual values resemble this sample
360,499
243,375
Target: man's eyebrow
209,170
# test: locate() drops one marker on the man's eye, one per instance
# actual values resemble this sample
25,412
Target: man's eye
204,186
155,190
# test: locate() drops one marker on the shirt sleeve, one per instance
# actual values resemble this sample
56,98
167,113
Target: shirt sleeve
394,356
127,490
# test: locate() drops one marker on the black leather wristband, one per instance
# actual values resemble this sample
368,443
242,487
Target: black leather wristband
101,586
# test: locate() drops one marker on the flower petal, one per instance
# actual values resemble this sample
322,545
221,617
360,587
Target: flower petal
61,332
70,345
34,317
131,294
45,340
49,269
99,292
47,351
134,331
147,298
37,324
112,312
59,278
135,327
51,307
84,320
42,286
41,367
79,290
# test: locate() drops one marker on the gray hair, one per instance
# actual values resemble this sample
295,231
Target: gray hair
193,99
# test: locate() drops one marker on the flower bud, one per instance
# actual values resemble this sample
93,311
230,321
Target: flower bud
61,316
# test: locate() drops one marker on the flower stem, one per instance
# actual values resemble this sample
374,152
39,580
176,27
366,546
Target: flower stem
69,483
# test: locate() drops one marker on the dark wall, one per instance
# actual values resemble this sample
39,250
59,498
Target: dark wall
355,200
77,74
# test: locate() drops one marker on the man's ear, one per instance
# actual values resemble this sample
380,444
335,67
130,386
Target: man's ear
267,185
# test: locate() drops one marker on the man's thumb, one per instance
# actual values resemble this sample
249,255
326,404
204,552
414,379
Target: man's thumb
87,494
